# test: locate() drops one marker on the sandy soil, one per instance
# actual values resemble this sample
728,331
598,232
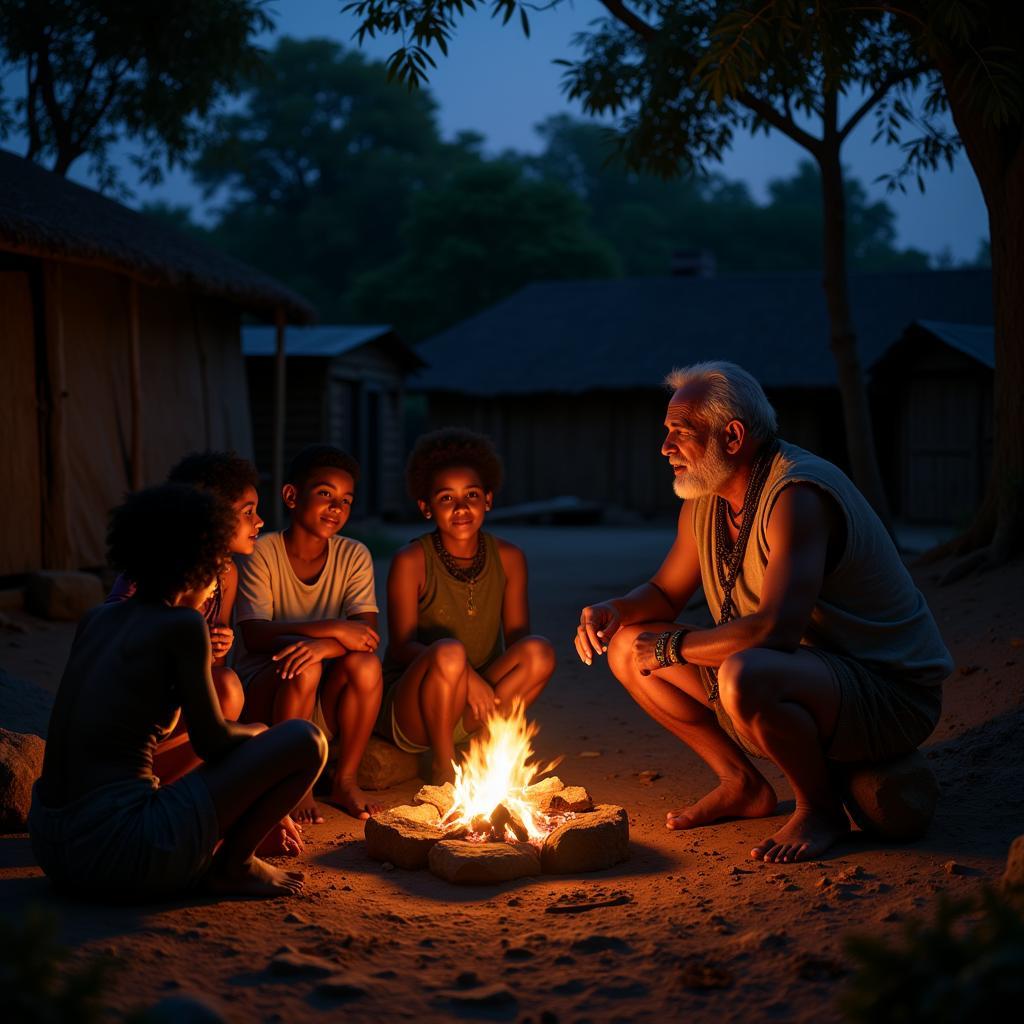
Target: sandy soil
633,944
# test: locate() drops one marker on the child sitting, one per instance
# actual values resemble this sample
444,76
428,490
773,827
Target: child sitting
101,823
232,479
307,614
458,616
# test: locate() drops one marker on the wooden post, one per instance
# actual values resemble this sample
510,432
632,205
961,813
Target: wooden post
56,524
280,403
136,384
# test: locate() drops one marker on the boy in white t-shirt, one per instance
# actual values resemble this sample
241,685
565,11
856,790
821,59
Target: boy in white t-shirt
307,615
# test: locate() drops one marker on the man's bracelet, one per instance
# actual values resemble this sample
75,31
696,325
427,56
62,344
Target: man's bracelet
675,647
660,653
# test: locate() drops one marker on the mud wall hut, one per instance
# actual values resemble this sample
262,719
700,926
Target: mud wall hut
345,386
566,375
120,348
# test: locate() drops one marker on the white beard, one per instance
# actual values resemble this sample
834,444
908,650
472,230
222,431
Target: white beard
706,476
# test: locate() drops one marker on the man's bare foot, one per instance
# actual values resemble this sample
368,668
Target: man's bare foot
749,798
283,840
306,811
347,795
807,834
253,877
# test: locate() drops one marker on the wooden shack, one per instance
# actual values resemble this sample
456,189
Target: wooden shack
566,375
933,394
121,351
345,386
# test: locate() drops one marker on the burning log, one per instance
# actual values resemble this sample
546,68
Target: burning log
502,818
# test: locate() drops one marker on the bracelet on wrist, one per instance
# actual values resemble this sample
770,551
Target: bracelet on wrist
660,652
676,646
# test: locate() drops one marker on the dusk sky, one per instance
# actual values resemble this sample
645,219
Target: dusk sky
500,84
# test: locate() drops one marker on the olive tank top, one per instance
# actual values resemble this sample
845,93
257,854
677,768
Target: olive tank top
443,608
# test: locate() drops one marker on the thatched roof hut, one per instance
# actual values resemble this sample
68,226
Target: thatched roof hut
120,347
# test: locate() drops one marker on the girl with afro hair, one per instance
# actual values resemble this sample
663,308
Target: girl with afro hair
459,641
102,823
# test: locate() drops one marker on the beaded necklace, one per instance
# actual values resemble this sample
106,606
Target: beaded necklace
729,556
464,574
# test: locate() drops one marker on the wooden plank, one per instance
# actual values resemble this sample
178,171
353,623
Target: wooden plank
134,335
21,536
56,534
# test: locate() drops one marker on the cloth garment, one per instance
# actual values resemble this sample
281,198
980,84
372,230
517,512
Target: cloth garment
132,839
269,589
124,588
441,615
870,624
879,718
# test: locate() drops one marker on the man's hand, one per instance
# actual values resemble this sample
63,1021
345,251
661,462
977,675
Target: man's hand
598,624
221,639
482,700
300,655
643,653
356,636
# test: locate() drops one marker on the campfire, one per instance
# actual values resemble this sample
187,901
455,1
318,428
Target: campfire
496,823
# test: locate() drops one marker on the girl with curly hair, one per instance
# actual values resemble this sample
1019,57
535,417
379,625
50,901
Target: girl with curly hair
460,646
101,822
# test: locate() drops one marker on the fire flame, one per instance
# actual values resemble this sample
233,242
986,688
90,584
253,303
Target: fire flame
497,770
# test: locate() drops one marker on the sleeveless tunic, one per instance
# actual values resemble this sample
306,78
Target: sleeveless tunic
441,612
870,624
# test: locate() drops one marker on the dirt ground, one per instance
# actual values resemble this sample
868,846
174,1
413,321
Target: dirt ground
631,944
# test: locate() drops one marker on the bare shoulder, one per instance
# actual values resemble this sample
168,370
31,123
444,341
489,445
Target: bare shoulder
409,561
802,506
512,558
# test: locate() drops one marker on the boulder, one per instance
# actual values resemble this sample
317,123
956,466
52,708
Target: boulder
441,797
24,707
21,763
893,799
62,595
1013,876
552,784
466,863
570,798
404,835
384,765
590,842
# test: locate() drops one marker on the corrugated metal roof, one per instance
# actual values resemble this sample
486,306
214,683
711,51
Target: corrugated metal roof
575,336
975,340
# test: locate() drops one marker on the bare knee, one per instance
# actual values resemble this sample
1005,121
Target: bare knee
539,656
620,653
230,694
307,741
363,672
741,686
448,659
306,682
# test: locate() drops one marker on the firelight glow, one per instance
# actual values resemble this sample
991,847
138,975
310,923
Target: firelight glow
497,770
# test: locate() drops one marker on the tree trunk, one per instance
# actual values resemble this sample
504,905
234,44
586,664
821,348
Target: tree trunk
860,435
997,157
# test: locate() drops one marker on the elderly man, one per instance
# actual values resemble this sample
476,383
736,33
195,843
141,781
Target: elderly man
824,650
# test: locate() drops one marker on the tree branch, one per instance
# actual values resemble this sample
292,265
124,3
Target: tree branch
857,116
630,19
764,110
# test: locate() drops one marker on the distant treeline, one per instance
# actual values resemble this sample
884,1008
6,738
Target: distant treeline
339,184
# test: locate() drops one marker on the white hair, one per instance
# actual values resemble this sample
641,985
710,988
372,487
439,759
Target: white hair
730,393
